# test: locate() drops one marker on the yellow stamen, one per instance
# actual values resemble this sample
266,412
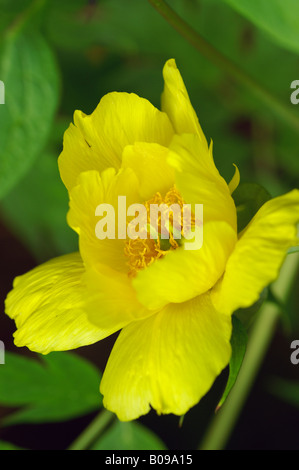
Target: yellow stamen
143,252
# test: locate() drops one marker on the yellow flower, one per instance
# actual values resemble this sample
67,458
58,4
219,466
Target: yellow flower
173,306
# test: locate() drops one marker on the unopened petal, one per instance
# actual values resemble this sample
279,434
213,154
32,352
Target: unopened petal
198,179
96,141
149,162
176,103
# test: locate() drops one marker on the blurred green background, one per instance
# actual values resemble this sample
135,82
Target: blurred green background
58,56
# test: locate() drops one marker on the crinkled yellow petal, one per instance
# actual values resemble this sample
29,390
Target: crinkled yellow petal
92,190
199,181
149,162
183,274
48,307
168,361
112,301
259,253
96,141
176,103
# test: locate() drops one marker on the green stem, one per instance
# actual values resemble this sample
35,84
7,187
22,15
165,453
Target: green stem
224,422
93,431
224,63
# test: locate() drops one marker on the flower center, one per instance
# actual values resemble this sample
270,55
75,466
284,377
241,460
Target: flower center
142,252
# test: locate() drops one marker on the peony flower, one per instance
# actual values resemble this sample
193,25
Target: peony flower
173,305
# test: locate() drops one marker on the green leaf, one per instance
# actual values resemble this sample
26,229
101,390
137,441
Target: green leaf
249,198
238,343
248,315
42,204
128,436
29,72
59,387
8,446
10,11
286,390
280,19
294,249
70,25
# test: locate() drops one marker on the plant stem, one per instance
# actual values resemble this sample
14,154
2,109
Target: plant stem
93,431
222,425
224,63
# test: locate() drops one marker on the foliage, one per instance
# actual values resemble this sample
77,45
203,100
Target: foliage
61,386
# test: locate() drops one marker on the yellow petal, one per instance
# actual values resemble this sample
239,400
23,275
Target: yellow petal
235,181
92,190
183,274
96,141
259,254
168,361
149,162
176,103
48,307
111,300
199,181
